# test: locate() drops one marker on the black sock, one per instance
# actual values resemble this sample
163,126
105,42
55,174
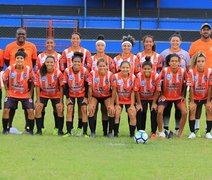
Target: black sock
191,125
209,125
5,123
42,120
69,126
55,120
138,120
111,124
104,127
39,124
91,124
26,119
166,128
85,127
60,122
116,129
11,116
80,123
95,121
31,125
132,131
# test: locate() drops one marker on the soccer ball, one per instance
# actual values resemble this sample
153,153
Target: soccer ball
141,137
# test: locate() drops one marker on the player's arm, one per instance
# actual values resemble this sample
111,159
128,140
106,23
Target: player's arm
90,91
37,94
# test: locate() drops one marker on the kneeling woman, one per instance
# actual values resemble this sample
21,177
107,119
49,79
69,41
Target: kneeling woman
76,86
100,92
123,86
49,85
17,79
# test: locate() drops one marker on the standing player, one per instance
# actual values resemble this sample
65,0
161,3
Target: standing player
1,67
66,61
146,83
172,91
76,87
17,79
126,55
49,85
50,45
100,92
198,80
100,48
204,45
149,50
30,60
175,42
123,85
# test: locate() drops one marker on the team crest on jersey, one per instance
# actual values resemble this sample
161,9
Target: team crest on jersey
81,76
120,82
106,81
43,78
96,80
24,75
180,77
169,77
55,77
12,75
195,78
129,82
71,77
143,83
205,78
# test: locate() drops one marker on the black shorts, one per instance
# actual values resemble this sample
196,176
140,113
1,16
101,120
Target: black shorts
127,106
12,103
200,102
54,101
167,102
79,101
101,100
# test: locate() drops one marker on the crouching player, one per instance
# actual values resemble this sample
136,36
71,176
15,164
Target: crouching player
146,83
172,91
100,92
76,86
17,79
49,85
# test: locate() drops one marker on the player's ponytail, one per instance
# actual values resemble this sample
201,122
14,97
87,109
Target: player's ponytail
20,52
77,54
147,62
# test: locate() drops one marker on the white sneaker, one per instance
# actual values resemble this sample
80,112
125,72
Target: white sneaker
176,132
192,136
208,136
14,131
161,135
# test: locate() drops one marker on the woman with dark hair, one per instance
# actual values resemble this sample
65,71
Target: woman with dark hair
49,86
149,50
123,84
126,55
172,90
17,79
100,92
145,91
76,87
66,62
175,42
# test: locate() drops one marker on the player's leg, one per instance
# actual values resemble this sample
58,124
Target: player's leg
69,115
183,109
177,120
153,121
91,115
192,111
82,104
166,116
38,114
132,114
208,123
118,110
197,120
161,106
60,115
105,119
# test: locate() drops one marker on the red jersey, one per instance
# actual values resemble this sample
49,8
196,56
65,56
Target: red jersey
1,58
101,86
42,57
124,87
199,82
18,81
29,49
66,58
76,82
94,59
131,59
156,60
146,87
50,84
172,83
